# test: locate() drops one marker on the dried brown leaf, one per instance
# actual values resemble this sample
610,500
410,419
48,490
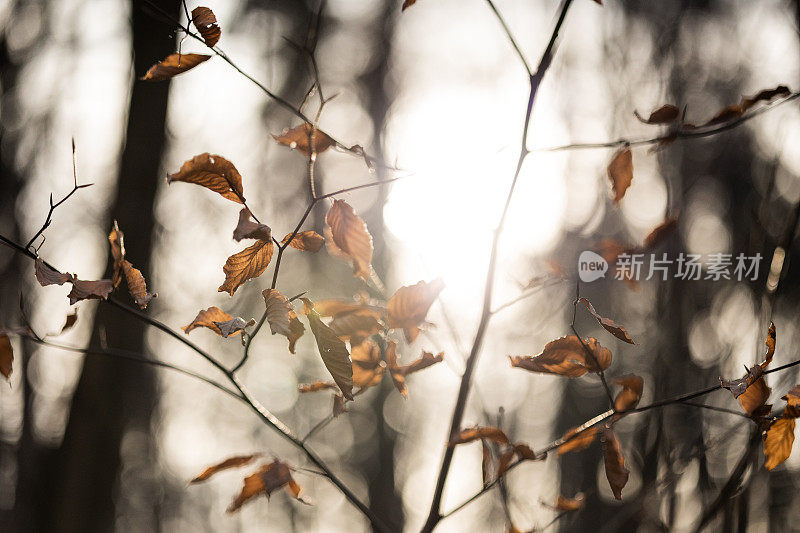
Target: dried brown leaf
136,285
233,326
332,349
117,240
426,359
247,264
208,318
409,305
368,367
620,172
609,325
278,309
778,442
356,326
316,386
350,235
6,356
765,95
89,290
575,441
70,322
173,65
247,229
616,473
660,233
407,4
564,504
266,480
628,398
296,330
567,357
306,241
206,23
213,172
480,432
665,114
231,462
297,138
49,276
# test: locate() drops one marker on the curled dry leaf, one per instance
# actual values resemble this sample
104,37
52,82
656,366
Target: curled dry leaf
564,504
267,480
231,462
117,241
136,285
575,440
734,112
297,138
49,276
339,405
398,378
213,172
206,23
173,65
233,326
480,432
247,264
332,349
296,330
350,235
628,398
89,290
778,442
209,318
426,359
660,233
609,325
71,320
520,450
368,367
567,357
620,172
751,390
665,114
407,4
616,473
792,398
6,356
409,305
247,229
278,309
315,386
306,241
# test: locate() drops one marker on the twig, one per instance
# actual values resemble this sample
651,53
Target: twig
586,349
510,37
317,427
434,515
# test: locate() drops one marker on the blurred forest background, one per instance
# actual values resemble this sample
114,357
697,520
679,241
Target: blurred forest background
91,444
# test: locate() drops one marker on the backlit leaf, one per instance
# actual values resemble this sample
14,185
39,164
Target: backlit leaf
247,229
665,114
297,138
278,309
6,356
609,325
564,504
307,241
213,172
247,264
778,442
208,318
49,276
315,386
233,326
616,473
332,349
368,367
409,305
576,441
765,95
566,356
296,330
628,398
206,23
350,235
136,285
480,432
267,480
231,462
173,65
89,290
427,359
620,172
117,241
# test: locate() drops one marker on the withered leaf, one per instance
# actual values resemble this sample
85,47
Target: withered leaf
368,368
778,442
6,356
751,390
173,65
765,95
487,463
213,172
89,290
665,114
566,356
480,432
724,115
278,309
297,138
427,359
407,4
233,326
755,396
770,343
247,264
409,305
350,235
231,462
332,349
315,386
206,23
208,318
339,405
616,473
247,229
564,504
609,325
356,326
49,276
136,285
620,172
575,441
660,233
398,378
71,320
267,480
306,241
296,330
628,398
117,241
792,397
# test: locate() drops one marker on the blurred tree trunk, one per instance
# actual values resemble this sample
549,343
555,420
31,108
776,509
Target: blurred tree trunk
113,400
